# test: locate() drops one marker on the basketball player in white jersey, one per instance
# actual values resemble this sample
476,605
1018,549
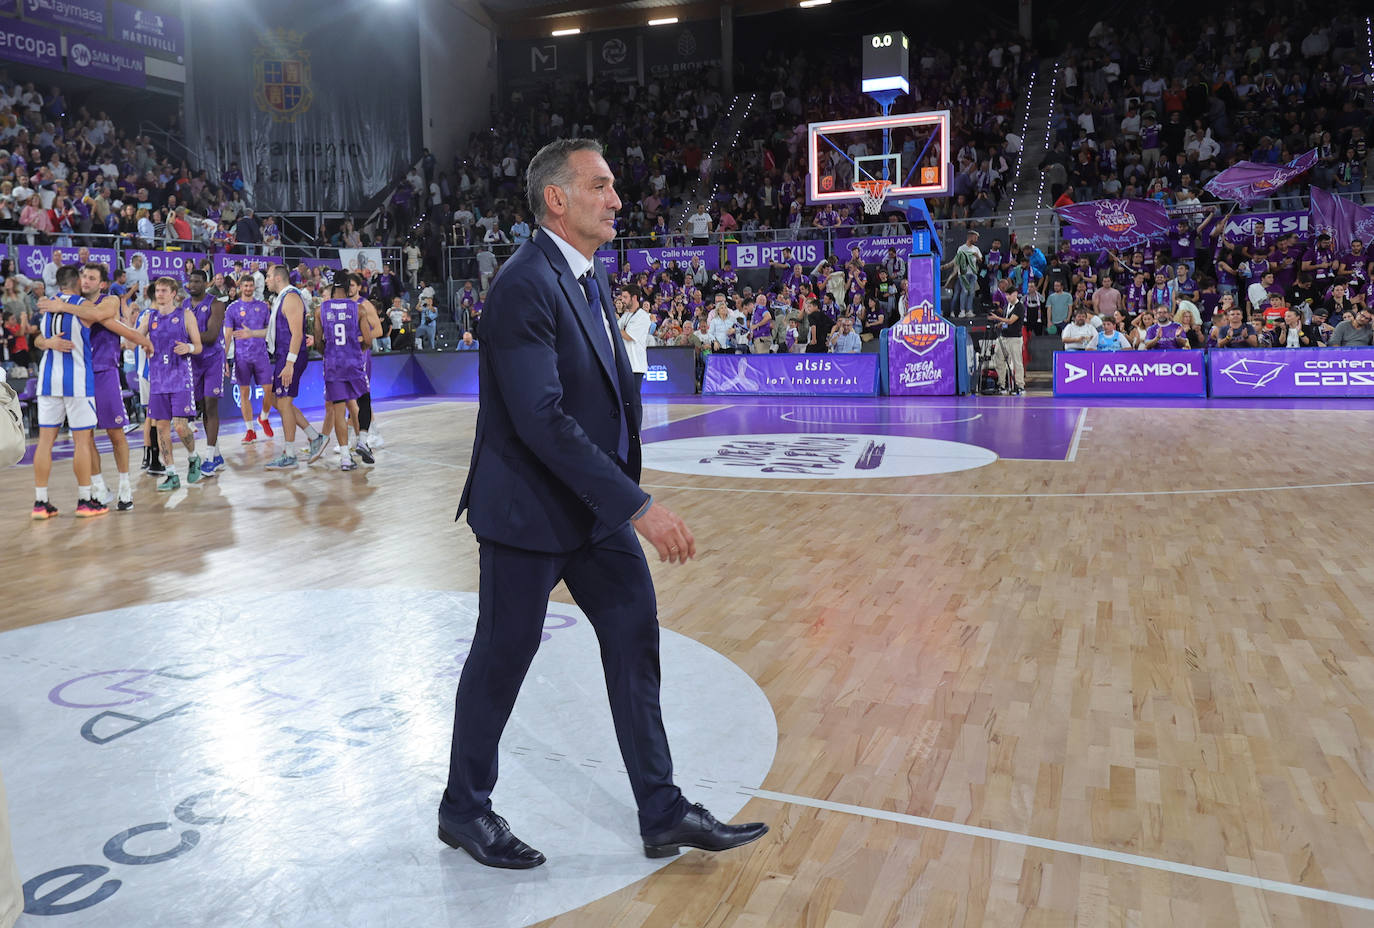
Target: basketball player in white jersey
66,391
102,314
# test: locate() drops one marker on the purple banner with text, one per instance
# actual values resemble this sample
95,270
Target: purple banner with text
1247,181
609,261
1340,218
83,14
1273,372
1117,223
872,250
920,350
1264,229
30,44
160,34
807,254
1132,373
234,265
106,61
166,263
792,374
642,259
33,259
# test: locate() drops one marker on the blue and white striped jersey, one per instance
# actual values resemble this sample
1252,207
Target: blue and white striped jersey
66,373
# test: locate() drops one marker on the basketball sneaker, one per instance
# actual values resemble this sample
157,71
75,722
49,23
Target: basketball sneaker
249,437
193,471
211,467
317,446
364,452
282,461
124,505
266,427
90,509
42,511
147,456
104,497
169,483
346,461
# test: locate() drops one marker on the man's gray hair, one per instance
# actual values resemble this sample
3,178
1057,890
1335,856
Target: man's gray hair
550,166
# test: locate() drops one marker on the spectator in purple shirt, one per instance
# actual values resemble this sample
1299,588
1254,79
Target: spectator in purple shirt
1165,333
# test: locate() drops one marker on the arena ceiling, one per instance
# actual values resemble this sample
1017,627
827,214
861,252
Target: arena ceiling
531,18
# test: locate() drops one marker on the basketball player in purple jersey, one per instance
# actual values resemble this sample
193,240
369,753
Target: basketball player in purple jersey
367,314
175,336
341,335
102,313
246,321
207,368
286,344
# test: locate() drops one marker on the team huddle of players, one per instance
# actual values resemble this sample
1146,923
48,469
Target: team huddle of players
185,347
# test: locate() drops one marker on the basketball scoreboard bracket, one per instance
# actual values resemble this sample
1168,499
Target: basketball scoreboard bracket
895,159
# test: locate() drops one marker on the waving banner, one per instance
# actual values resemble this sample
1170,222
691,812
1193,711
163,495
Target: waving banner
1340,218
1247,181
1117,223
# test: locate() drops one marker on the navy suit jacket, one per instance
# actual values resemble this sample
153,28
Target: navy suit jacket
545,475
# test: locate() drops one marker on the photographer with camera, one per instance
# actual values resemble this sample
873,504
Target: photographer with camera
1008,321
429,322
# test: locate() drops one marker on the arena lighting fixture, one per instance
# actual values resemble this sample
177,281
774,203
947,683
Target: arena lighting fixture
806,4
663,22
558,32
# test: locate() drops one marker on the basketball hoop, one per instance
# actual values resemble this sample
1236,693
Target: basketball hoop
872,192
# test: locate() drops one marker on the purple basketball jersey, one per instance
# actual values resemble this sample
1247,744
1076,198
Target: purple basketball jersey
169,372
211,353
343,350
252,315
104,349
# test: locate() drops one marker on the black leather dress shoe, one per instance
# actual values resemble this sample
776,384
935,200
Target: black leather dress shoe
489,840
700,829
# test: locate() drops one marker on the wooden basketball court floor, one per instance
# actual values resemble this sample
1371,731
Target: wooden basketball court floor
1123,680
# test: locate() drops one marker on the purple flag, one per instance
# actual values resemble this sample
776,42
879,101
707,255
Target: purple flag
1247,181
1340,218
1117,223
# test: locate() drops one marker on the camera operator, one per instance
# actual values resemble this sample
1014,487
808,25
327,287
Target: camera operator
1008,321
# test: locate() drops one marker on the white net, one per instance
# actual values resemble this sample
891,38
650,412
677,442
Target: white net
872,193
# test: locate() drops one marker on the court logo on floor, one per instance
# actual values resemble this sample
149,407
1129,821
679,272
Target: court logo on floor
821,456
278,759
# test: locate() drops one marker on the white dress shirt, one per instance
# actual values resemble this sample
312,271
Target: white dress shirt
581,265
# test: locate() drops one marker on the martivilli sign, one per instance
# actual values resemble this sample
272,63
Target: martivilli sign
792,374
1274,372
1134,373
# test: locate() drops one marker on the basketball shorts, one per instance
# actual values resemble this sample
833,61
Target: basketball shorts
78,411
207,380
165,406
109,400
250,370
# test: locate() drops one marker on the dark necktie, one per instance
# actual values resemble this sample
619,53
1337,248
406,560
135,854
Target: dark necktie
594,303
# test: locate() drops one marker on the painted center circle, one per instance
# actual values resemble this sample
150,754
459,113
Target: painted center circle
279,759
816,456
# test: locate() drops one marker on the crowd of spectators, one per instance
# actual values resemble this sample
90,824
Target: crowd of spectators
1153,108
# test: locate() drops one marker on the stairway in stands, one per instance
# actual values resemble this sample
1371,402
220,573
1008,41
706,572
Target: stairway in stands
724,139
1029,212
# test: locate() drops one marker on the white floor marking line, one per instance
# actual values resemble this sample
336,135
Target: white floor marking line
718,489
1077,435
786,417
1082,850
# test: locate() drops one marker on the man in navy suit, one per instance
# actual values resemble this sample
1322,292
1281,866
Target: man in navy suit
553,494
